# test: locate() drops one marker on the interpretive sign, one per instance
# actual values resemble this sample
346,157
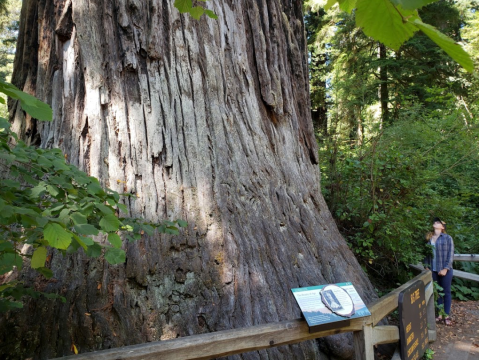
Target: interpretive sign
413,331
327,306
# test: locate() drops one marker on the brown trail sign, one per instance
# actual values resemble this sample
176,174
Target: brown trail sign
413,329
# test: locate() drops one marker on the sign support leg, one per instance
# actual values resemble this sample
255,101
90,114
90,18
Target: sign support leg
363,343
431,319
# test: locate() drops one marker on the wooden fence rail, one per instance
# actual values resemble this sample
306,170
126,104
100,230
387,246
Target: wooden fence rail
458,273
236,341
466,257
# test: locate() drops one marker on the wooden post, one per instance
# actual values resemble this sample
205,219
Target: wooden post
363,343
431,317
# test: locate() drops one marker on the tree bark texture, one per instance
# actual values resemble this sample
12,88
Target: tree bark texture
208,121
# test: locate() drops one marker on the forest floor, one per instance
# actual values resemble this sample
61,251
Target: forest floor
461,340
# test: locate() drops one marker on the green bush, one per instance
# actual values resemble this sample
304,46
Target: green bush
384,192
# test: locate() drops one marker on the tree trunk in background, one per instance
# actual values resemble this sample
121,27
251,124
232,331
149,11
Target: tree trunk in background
319,113
208,121
383,87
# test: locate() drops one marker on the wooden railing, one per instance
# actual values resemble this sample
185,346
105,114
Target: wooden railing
463,274
458,273
365,330
466,257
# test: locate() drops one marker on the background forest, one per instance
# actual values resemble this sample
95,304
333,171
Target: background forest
397,134
398,137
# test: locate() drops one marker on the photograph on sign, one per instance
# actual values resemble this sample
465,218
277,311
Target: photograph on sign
337,300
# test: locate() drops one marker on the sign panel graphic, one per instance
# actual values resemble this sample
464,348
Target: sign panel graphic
329,304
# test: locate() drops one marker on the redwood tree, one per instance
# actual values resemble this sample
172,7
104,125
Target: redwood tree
208,121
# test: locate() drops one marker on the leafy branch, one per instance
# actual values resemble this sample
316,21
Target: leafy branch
47,203
393,22
186,6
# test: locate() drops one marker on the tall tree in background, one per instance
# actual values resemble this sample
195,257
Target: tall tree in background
367,82
314,23
208,121
9,21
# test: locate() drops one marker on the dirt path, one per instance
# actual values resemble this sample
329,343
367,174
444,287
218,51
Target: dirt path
461,340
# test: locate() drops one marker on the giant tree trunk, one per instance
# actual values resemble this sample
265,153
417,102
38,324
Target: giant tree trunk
208,121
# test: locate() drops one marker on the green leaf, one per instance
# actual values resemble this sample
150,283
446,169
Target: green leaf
45,272
347,5
82,178
59,164
110,223
380,20
211,14
14,171
30,180
104,209
94,250
452,48
41,221
2,204
64,216
329,4
6,305
183,6
78,218
172,230
6,212
196,12
123,208
43,161
115,256
34,107
8,157
74,246
344,5
28,221
115,240
5,245
86,229
4,125
52,190
94,189
182,223
87,209
8,261
25,211
39,189
6,286
150,230
10,183
57,236
115,195
84,240
39,257
412,4
77,241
